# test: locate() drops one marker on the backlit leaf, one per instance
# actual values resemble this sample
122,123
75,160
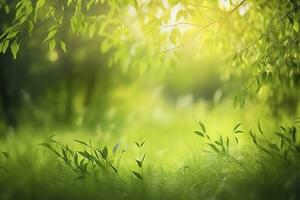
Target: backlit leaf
202,127
137,175
63,46
104,153
40,3
236,127
14,48
50,35
199,133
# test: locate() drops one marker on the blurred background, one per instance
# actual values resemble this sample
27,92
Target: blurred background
81,95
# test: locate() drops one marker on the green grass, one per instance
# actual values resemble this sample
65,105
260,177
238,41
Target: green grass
207,176
160,156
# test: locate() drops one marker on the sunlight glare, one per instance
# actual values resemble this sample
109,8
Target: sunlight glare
224,4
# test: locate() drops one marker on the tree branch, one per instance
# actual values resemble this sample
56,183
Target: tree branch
197,25
48,15
263,35
181,45
190,24
209,24
236,7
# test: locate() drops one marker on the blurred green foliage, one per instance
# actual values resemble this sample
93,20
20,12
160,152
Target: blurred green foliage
149,99
250,48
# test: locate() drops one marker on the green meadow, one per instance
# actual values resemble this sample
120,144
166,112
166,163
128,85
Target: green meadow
154,100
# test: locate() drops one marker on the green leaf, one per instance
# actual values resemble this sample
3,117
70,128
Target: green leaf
115,148
63,46
142,144
143,158
282,142
14,47
202,127
5,46
48,146
139,163
85,154
137,144
137,175
40,3
283,128
81,142
253,137
281,136
180,14
100,164
227,142
199,133
265,150
115,170
242,101
104,153
219,143
51,33
296,26
239,131
30,28
259,127
12,35
274,146
52,45
73,22
5,154
6,9
236,127
221,139
207,137
89,4
214,147
236,139
69,3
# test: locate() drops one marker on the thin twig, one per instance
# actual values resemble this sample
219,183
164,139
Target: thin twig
263,35
197,25
207,25
189,24
236,7
46,17
205,7
181,45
